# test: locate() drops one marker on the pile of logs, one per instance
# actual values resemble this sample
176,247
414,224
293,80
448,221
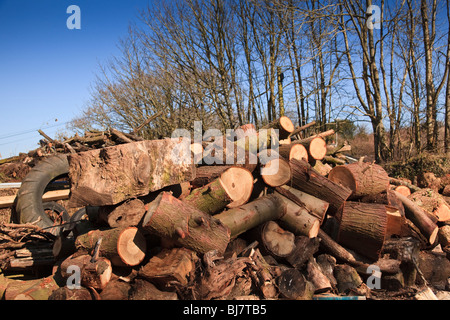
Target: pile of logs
317,227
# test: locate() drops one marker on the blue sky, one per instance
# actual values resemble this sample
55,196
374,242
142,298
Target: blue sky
46,69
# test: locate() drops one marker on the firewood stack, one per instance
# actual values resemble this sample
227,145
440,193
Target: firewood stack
316,227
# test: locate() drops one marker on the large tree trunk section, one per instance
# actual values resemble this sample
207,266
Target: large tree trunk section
306,179
174,219
284,126
126,214
293,151
299,219
276,172
433,203
95,274
252,214
232,189
111,175
420,219
362,178
122,246
315,206
363,227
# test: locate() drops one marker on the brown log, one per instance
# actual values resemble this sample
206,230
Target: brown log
347,278
327,263
420,218
304,250
299,220
293,151
145,290
316,147
116,289
205,174
231,189
403,182
252,214
170,266
284,126
362,178
317,277
319,135
306,179
433,203
171,218
122,246
64,293
363,227
444,235
263,277
404,190
126,214
315,206
111,175
275,241
301,128
323,168
446,191
276,172
95,274
294,286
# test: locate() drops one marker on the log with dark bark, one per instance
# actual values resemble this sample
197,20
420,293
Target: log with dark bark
171,218
294,286
306,179
362,178
122,246
231,189
363,227
111,175
262,276
252,214
145,290
64,293
347,278
304,250
317,277
116,289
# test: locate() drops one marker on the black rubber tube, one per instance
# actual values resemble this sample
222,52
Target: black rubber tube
29,206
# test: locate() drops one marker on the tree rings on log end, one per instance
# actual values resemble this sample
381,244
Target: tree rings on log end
238,184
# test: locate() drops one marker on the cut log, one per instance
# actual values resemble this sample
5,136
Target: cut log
122,246
404,190
317,277
304,250
306,179
37,289
347,278
232,189
276,172
403,182
293,151
433,203
171,218
252,214
126,214
294,286
316,147
111,175
95,274
64,293
170,267
276,241
299,220
420,218
362,227
315,206
301,128
116,290
206,174
145,290
362,178
284,126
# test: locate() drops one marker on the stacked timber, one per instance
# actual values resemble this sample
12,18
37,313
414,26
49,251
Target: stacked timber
248,216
